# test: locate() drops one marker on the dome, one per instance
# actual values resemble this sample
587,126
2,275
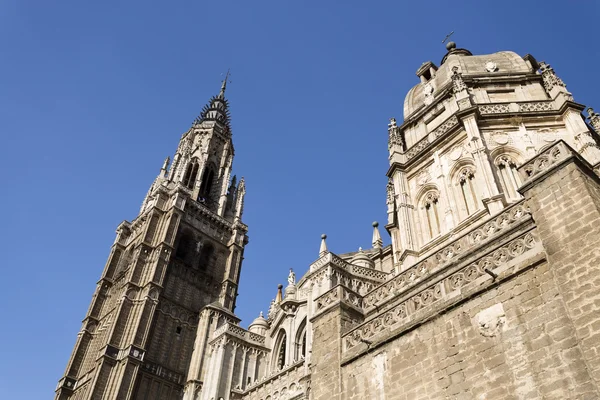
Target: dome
504,62
260,325
362,260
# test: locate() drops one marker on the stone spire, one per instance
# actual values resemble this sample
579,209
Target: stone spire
323,250
279,296
224,86
217,108
377,242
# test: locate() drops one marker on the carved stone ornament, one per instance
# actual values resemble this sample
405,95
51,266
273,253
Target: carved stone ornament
390,192
395,136
491,321
491,66
500,137
549,77
547,135
456,153
428,92
458,85
423,177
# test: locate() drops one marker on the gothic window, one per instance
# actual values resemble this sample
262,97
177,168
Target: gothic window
207,183
301,341
509,177
431,214
281,355
190,174
468,196
206,254
185,247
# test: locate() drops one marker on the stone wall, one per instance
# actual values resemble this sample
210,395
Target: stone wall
527,328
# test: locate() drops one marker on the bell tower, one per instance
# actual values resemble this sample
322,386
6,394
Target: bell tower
178,260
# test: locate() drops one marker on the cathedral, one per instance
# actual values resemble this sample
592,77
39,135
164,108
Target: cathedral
488,290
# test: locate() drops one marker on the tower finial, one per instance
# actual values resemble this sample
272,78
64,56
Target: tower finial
377,242
323,249
224,85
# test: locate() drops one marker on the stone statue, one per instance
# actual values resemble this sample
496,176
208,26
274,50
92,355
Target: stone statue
291,278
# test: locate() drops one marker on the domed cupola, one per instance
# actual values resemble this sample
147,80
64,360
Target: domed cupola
452,50
260,325
362,260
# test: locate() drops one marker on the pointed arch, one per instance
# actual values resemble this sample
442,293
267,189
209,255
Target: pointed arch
207,183
429,212
465,187
300,342
191,173
280,353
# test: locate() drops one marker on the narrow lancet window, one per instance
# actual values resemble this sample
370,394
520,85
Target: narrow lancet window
509,177
190,175
466,180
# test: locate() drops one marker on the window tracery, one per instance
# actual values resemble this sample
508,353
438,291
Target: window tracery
509,177
468,194
431,214
191,172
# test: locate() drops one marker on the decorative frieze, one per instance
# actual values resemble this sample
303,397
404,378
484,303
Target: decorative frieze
239,332
544,161
536,106
411,276
288,383
423,303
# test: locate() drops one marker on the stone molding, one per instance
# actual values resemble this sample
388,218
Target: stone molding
335,296
238,332
288,382
464,245
548,160
499,263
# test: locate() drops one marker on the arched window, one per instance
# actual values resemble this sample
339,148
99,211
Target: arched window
281,354
206,254
185,247
190,174
207,183
468,196
431,214
509,177
300,345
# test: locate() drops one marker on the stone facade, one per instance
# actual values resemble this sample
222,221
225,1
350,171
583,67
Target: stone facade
489,288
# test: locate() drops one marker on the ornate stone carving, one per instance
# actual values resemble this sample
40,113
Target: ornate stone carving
408,278
536,106
549,77
395,135
428,92
491,321
458,85
423,177
390,192
425,301
594,119
491,66
456,152
543,161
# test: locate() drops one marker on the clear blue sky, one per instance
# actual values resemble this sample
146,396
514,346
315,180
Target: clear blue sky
94,96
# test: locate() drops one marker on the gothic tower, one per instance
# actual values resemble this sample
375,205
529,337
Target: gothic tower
171,278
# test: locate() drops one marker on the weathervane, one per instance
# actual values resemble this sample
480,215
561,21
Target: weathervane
447,37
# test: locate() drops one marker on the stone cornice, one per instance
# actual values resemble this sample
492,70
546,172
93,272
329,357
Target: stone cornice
512,255
539,167
467,244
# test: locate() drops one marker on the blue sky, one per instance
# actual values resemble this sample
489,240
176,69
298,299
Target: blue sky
94,96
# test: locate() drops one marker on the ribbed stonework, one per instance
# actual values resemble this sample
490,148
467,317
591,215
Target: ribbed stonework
171,278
